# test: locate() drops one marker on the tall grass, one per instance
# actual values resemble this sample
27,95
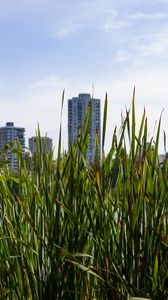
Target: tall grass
79,231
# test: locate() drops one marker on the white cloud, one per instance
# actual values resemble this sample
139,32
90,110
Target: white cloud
68,30
112,24
49,83
154,49
155,46
147,17
144,49
151,93
122,56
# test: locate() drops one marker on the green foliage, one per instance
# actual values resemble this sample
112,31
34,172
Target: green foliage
79,231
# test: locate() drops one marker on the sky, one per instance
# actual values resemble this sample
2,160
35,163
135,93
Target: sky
90,46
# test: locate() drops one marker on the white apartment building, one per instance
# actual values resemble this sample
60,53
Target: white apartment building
8,134
77,108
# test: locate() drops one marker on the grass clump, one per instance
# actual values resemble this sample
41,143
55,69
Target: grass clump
79,231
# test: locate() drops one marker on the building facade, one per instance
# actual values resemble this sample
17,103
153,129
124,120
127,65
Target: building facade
45,144
77,108
9,134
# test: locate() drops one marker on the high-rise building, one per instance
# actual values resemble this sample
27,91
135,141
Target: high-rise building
45,143
77,108
8,134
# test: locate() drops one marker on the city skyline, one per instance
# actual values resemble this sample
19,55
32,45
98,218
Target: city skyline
47,46
10,126
10,134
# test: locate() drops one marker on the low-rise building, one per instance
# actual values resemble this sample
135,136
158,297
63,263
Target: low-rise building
45,145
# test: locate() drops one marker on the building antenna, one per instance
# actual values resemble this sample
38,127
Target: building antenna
92,90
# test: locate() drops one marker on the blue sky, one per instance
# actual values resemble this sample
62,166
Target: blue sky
49,45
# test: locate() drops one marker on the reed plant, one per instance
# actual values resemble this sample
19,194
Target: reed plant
78,231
